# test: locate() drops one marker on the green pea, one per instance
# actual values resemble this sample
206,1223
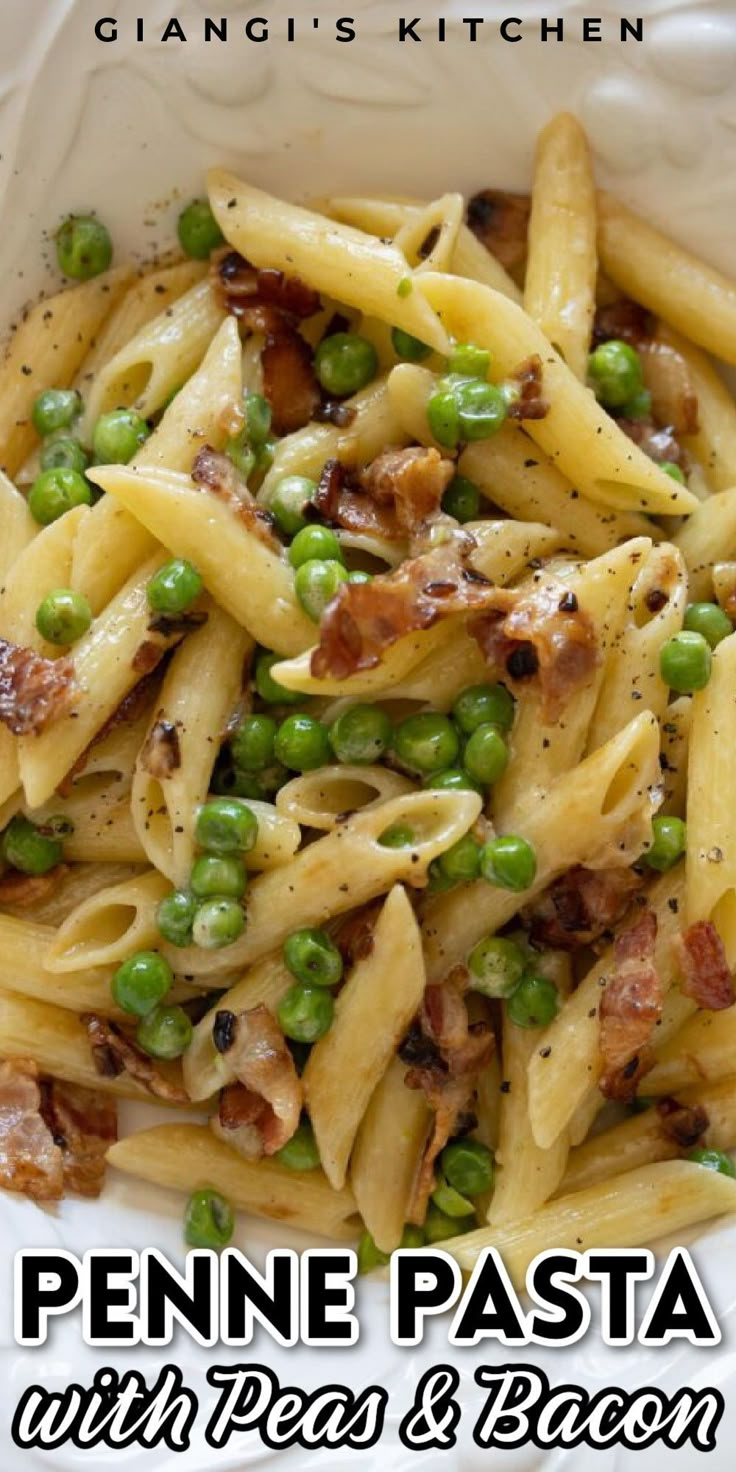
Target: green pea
56,491
638,407
165,1032
685,662
83,247
481,409
481,705
360,734
370,1257
450,1202
289,501
218,922
64,453
226,826
198,231
454,779
534,1003
669,838
412,1237
175,917
305,1013
443,417
302,743
273,778
117,436
467,1165
469,361
615,373
218,874
229,781
315,542
315,585
411,349
344,363
55,409
252,745
461,862
405,286
301,1151
717,1160
174,588
142,982
486,755
426,742
63,617
26,848
438,1227
238,449
508,862
462,499
268,688
312,957
209,1220
258,418
496,966
438,883
673,471
709,620
397,835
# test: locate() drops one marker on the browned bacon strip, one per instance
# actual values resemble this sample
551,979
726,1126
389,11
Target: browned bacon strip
630,1009
289,381
161,752
34,691
83,1124
411,481
263,1108
113,1054
215,473
501,220
30,1161
25,890
238,285
540,632
342,503
579,906
683,1123
701,960
530,403
624,320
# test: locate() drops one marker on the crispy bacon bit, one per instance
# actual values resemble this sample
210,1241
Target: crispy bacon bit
168,624
341,503
659,444
161,752
289,380
365,619
354,934
83,1124
704,971
412,481
216,474
501,220
264,1106
34,691
630,1009
459,1050
147,656
530,403
624,320
239,286
25,890
337,412
529,634
30,1160
683,1123
667,376
113,1054
580,905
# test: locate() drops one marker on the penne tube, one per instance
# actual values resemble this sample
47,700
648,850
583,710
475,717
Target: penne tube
203,528
145,299
597,814
206,1070
345,263
185,1156
339,872
705,539
675,746
435,225
321,799
714,444
372,1013
107,928
43,565
635,1208
697,300
528,1175
18,526
559,285
711,823
701,1051
581,438
388,1151
645,1138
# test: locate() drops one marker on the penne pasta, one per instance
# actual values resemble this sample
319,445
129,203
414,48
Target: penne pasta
110,925
321,799
383,1180
711,825
559,285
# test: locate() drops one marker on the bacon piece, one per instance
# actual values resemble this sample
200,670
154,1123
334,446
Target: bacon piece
579,906
113,1053
501,221
624,320
354,935
704,971
25,890
238,286
161,752
215,473
343,505
148,656
365,619
457,1053
667,376
30,1160
168,624
659,444
630,1009
530,403
683,1123
541,632
83,1124
289,380
412,481
264,1107
34,691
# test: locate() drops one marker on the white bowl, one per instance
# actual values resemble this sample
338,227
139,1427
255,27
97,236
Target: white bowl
128,129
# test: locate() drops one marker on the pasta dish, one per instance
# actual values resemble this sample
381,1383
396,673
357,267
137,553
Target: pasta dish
367,671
